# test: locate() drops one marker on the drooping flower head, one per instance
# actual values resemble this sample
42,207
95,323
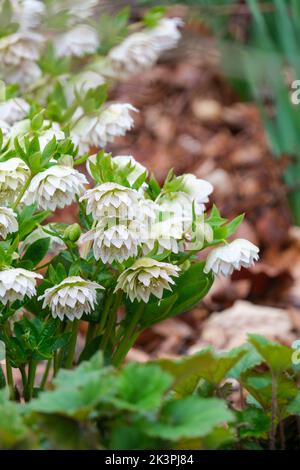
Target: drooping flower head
197,189
97,131
164,235
166,34
140,51
22,45
135,54
145,277
13,175
16,283
79,41
111,200
55,187
114,242
8,221
73,297
28,13
225,259
13,110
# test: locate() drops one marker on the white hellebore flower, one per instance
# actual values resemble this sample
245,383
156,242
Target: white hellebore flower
6,130
8,221
14,110
197,189
71,298
111,200
13,175
165,235
16,283
178,204
25,73
76,8
28,13
166,34
114,242
55,187
225,259
145,277
15,48
79,41
96,131
138,52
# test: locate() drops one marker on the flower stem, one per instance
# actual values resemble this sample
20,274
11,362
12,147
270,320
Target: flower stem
30,380
72,345
9,374
105,313
9,378
45,374
272,436
111,321
25,187
129,336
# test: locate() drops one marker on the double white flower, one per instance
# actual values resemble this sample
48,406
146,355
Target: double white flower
13,175
14,110
97,131
146,277
8,221
55,187
114,242
28,13
78,42
225,259
111,200
16,283
22,45
71,298
140,51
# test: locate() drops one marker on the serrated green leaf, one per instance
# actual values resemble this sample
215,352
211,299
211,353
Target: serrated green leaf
189,417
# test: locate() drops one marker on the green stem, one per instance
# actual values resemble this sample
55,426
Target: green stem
30,380
55,364
111,321
9,378
25,187
24,378
45,374
272,436
129,336
105,313
9,373
72,345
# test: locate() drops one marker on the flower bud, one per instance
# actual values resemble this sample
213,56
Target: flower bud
73,232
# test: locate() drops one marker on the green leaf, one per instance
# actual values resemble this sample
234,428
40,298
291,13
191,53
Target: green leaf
294,406
189,417
206,364
142,387
12,427
277,356
37,251
28,220
251,359
259,385
253,422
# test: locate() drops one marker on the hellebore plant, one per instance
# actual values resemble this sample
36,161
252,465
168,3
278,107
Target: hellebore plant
131,259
